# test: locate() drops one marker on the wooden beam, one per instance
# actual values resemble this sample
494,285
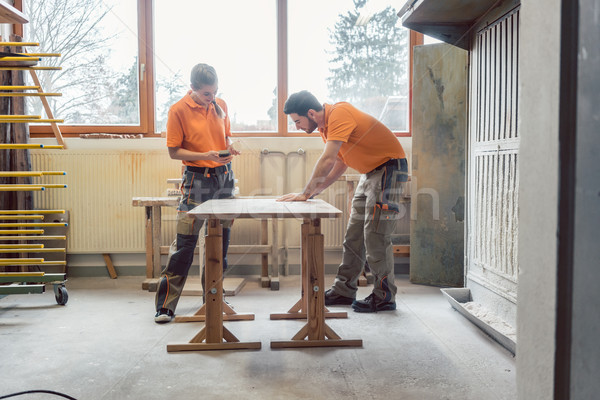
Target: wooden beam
55,128
109,266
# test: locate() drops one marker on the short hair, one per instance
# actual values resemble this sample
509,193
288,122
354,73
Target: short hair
299,103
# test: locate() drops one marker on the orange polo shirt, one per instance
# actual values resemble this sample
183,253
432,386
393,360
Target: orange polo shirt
367,143
196,128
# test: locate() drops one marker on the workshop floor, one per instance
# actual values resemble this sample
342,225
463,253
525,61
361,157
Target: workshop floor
104,344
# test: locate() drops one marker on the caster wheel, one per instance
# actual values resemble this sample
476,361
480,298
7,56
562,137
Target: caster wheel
61,295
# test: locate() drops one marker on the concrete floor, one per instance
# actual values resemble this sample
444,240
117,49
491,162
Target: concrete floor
104,344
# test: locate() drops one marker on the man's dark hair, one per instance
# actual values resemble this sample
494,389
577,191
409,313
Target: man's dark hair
299,103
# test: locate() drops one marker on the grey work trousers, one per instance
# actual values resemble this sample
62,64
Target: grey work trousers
375,210
196,187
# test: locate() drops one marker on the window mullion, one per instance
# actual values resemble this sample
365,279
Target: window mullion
146,65
282,65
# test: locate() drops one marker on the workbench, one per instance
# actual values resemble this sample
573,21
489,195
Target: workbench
154,248
315,333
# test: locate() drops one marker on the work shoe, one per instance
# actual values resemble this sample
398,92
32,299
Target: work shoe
163,316
332,298
372,304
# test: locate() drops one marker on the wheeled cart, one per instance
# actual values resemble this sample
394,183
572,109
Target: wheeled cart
33,282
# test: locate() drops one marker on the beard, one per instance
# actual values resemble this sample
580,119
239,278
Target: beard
312,125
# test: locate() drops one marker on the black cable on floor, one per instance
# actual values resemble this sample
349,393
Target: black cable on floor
38,391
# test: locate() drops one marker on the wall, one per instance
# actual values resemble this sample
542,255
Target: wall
140,167
585,352
538,202
438,179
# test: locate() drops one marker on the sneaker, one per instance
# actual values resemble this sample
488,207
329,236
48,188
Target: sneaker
163,316
372,304
332,298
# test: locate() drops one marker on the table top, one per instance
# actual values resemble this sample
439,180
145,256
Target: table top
261,208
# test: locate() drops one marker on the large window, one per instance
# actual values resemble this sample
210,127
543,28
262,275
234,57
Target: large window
125,62
349,52
98,45
238,38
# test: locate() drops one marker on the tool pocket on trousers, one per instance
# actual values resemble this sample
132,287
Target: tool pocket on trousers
385,217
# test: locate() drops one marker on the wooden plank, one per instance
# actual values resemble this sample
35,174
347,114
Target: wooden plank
401,250
170,201
49,113
109,266
213,346
261,208
303,315
226,317
150,284
233,249
279,344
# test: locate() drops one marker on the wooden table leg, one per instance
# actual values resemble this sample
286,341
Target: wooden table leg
156,241
150,282
214,336
316,333
274,255
265,281
298,310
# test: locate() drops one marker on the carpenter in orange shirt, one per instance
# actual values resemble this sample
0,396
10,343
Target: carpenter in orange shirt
198,134
357,140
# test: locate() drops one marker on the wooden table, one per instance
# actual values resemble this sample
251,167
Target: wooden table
154,249
153,207
316,333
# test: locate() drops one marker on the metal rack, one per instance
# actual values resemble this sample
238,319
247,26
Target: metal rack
22,232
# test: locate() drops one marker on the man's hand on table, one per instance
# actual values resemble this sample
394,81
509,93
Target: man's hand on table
293,197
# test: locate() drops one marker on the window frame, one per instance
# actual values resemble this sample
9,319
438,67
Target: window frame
146,76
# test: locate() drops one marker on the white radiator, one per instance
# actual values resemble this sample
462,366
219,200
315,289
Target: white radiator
101,184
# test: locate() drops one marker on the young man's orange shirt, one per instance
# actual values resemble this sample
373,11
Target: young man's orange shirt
367,143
